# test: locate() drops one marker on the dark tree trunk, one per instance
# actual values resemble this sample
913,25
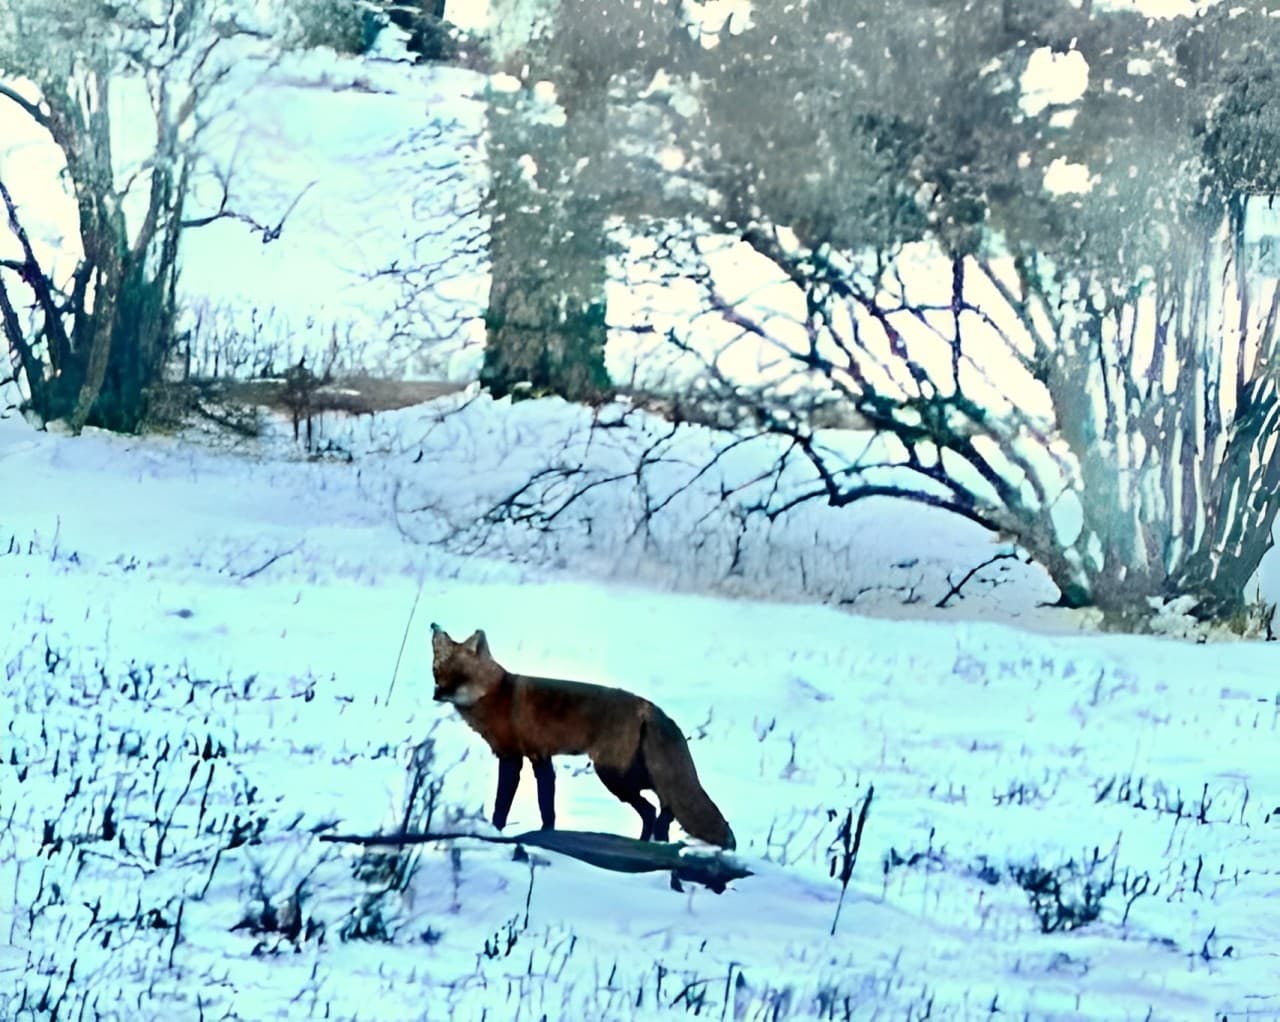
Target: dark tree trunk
546,320
424,21
142,339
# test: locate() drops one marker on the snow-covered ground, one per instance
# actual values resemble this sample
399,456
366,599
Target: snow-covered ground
203,635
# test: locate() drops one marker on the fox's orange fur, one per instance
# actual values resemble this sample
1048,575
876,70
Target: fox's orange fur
632,744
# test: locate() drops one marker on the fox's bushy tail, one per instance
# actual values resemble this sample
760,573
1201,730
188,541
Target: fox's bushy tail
675,779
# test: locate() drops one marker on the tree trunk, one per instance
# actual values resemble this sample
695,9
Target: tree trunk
546,318
142,335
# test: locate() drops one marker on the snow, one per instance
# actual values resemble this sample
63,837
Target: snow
1062,177
201,660
165,596
1053,79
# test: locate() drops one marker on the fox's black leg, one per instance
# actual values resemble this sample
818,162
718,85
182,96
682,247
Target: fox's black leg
641,805
662,825
508,781
620,784
545,774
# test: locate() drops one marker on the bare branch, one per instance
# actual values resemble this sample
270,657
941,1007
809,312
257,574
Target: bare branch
33,276
956,587
31,367
269,232
31,109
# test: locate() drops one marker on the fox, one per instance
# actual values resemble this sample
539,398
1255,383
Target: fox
632,744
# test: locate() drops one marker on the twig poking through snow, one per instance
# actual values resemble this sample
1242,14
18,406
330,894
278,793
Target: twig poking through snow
850,840
395,671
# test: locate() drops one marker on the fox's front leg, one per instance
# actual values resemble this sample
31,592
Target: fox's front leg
545,774
508,781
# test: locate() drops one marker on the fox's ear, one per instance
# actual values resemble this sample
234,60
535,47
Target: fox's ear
478,644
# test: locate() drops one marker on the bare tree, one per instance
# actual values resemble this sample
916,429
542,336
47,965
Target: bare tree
546,315
1038,311
88,343
1127,443
1090,372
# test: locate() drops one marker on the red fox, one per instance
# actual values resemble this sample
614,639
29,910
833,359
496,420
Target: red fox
632,743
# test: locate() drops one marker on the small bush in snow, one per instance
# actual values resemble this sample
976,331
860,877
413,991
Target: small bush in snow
1069,896
282,914
395,868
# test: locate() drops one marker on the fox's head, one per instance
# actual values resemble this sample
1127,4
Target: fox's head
465,671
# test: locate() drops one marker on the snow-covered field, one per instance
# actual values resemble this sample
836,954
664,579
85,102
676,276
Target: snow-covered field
203,635
200,649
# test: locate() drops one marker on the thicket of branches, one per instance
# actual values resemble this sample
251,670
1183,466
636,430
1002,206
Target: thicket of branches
124,92
89,338
1039,301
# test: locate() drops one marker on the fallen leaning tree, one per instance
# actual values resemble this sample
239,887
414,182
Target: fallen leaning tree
711,868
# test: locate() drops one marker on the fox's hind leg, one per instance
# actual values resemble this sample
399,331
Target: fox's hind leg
624,788
508,781
662,825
